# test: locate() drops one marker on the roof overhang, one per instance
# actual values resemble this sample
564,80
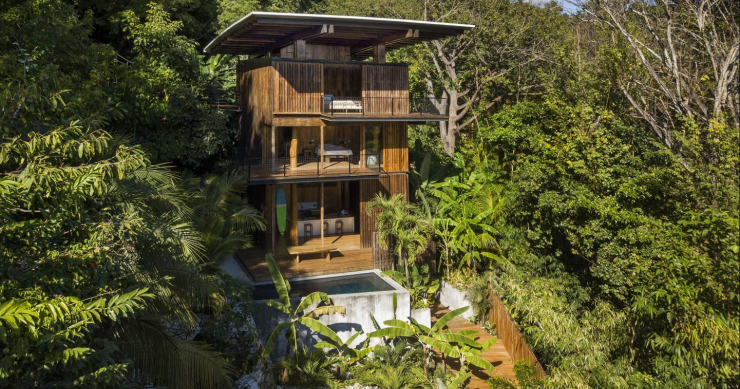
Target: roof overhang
262,32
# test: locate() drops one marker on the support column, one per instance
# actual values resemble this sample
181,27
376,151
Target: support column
363,154
294,214
321,195
294,148
321,162
273,148
379,53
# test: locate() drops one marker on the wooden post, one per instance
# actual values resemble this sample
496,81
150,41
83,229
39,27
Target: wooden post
379,53
294,214
294,148
321,223
321,161
273,148
345,203
362,147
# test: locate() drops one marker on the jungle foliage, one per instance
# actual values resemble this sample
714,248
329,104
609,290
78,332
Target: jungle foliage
589,171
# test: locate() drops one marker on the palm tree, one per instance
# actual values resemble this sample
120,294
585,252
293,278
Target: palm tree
400,222
300,315
222,214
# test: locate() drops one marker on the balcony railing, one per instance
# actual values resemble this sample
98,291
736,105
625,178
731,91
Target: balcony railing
383,106
259,167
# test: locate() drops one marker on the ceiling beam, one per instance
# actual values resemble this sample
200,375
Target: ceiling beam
385,39
303,35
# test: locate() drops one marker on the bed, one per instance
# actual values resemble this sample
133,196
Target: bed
331,150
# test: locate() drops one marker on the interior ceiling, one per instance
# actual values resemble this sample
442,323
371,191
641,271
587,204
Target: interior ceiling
262,32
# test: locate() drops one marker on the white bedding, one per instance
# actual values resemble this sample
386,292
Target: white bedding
333,150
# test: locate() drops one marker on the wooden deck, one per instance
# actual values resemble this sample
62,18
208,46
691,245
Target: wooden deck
497,354
350,256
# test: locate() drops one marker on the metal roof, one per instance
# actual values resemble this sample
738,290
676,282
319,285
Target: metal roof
262,32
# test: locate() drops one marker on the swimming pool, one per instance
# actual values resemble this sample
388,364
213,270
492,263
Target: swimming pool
335,285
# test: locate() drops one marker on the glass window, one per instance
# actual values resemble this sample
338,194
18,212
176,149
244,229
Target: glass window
374,146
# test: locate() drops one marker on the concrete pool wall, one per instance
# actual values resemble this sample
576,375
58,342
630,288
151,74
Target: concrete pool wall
359,307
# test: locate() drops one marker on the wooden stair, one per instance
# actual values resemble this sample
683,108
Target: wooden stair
497,354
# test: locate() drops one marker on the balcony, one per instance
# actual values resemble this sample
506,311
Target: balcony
387,108
259,168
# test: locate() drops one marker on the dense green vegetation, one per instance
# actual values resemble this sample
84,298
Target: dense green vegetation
589,172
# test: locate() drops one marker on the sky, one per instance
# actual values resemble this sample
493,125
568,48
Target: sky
567,7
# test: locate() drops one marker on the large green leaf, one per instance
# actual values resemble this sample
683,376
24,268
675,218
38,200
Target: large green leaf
321,328
273,338
488,344
277,278
459,380
390,332
400,324
443,347
353,337
311,299
278,306
447,317
420,328
459,339
480,362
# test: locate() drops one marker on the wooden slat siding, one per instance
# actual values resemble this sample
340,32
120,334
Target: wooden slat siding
254,79
343,80
508,333
298,87
325,52
385,89
388,185
395,147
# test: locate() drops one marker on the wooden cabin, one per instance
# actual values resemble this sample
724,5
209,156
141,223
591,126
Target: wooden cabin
324,122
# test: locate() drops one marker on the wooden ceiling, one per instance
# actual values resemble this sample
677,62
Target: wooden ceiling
262,32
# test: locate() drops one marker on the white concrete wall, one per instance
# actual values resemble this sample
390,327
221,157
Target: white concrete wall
453,298
422,316
359,307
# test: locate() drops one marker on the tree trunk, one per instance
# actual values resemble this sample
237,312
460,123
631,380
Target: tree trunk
406,266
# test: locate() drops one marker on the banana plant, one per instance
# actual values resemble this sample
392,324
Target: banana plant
467,207
344,348
301,315
460,344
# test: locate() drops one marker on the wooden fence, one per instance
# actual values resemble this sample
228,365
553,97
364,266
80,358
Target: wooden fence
508,333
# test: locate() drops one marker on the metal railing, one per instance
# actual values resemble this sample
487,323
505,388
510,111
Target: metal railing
379,106
257,166
227,99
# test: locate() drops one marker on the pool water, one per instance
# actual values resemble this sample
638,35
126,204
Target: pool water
358,283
